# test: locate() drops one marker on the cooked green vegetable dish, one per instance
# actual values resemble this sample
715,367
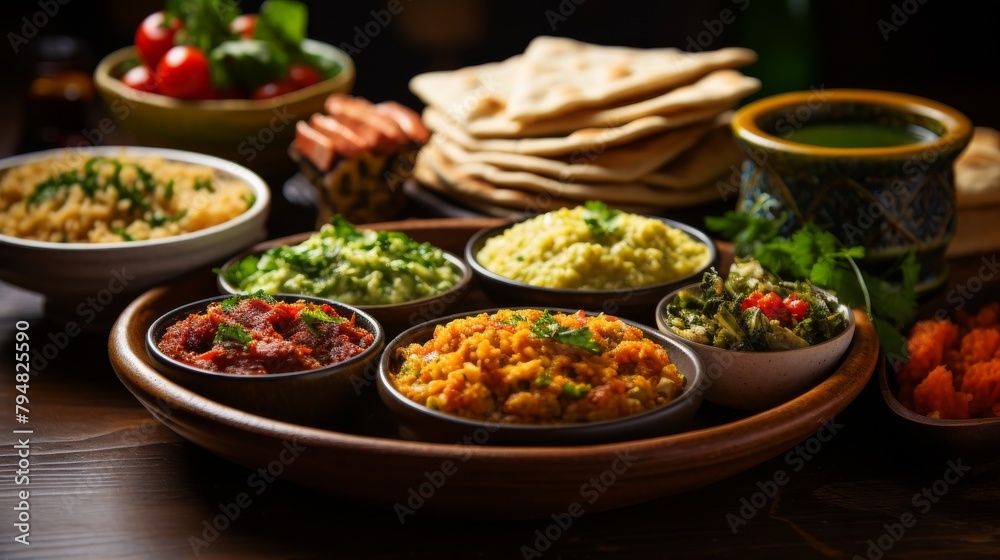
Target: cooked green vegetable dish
753,310
359,267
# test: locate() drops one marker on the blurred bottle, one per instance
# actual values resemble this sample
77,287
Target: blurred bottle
58,93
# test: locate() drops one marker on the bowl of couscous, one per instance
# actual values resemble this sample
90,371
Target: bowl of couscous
107,223
538,377
589,257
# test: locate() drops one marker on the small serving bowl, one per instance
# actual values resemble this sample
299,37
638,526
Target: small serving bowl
633,303
323,396
888,199
114,273
253,132
394,317
973,439
421,423
760,380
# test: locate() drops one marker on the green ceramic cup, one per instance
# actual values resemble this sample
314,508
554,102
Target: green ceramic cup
884,178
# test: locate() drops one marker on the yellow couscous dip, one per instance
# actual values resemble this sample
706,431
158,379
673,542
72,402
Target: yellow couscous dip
533,367
581,248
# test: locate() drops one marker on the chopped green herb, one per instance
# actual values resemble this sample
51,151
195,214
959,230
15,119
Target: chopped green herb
575,390
546,326
543,381
232,333
600,219
311,316
120,232
203,184
168,190
157,219
232,301
514,319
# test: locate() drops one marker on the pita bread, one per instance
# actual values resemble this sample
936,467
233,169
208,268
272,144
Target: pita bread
558,75
470,92
501,202
612,193
618,165
977,171
715,155
720,88
579,141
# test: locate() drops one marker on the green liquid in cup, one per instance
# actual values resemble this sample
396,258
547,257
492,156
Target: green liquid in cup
859,135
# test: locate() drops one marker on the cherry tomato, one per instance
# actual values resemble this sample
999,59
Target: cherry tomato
272,89
302,75
184,72
798,307
153,40
140,78
244,25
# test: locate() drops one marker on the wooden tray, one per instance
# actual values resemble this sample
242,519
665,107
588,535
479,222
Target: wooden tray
485,481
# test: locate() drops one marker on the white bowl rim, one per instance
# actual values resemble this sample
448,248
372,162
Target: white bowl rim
261,191
847,312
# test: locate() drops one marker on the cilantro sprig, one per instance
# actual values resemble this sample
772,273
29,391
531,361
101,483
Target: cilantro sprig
810,252
546,326
232,332
232,301
311,316
601,220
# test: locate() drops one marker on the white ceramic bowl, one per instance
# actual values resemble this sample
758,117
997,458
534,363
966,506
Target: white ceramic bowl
80,280
761,380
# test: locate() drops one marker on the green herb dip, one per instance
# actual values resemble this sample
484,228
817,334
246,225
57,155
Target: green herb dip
359,267
858,135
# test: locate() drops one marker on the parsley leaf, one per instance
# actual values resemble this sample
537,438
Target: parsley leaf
232,333
310,316
232,301
546,326
203,184
600,219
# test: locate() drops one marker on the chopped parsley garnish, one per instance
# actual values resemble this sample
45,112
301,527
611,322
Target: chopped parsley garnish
514,319
543,380
168,190
232,333
316,315
600,219
120,232
575,390
232,301
203,184
157,219
546,326
91,180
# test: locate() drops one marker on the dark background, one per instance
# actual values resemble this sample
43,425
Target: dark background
943,50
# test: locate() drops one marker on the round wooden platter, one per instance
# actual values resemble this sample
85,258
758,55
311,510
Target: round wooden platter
468,479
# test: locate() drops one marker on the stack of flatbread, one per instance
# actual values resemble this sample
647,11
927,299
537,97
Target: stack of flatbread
566,122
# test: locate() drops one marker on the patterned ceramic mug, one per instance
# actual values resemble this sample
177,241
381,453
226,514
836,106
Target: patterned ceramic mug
875,168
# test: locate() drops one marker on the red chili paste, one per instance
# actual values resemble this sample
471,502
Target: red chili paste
259,337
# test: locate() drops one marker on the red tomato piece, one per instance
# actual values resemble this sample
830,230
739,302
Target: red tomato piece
244,25
272,89
153,39
140,78
184,73
303,75
774,308
751,300
799,308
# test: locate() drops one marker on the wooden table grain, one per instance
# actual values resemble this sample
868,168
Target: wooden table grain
108,481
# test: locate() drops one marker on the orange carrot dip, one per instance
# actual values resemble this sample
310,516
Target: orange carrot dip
532,367
954,368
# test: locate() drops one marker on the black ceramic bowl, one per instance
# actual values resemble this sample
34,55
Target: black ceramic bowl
323,396
421,423
629,302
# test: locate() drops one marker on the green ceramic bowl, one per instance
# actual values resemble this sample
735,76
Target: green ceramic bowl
255,133
889,198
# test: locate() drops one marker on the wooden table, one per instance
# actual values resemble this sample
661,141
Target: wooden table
108,481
